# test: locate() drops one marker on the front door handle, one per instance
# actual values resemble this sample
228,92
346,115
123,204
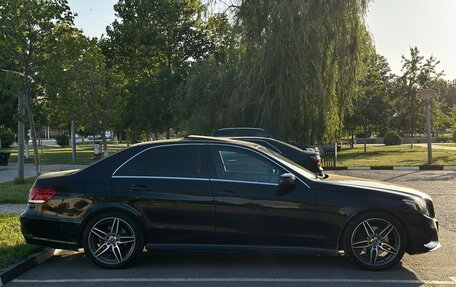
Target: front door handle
138,187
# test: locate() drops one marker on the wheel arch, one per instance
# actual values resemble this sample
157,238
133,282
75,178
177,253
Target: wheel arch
360,213
118,208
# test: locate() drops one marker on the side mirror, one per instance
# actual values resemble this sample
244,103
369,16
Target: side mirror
287,179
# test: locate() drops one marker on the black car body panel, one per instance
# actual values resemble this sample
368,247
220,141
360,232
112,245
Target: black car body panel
218,209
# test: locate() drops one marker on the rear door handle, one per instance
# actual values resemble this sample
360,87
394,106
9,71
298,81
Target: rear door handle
138,187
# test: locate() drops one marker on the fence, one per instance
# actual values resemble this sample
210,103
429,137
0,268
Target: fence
328,154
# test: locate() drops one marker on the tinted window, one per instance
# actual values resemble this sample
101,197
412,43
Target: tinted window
236,164
175,161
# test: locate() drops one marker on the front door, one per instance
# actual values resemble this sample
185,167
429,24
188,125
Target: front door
252,208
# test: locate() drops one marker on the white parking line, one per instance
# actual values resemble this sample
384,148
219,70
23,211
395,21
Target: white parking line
240,280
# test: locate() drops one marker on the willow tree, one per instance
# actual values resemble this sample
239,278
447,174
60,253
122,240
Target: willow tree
300,65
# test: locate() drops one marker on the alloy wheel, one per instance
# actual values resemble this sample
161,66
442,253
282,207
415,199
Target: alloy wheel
112,241
375,242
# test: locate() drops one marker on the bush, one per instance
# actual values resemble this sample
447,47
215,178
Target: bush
62,140
392,138
7,137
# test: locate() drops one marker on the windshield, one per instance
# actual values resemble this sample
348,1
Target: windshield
291,164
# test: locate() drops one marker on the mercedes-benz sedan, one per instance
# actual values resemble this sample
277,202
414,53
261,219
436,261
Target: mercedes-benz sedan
208,194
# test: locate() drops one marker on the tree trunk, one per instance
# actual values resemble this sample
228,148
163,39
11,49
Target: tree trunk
26,141
411,139
365,142
73,141
167,133
105,144
28,106
352,143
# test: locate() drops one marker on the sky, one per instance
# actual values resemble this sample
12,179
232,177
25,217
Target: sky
396,25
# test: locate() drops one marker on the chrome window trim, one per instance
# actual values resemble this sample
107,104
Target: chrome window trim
212,144
194,178
162,177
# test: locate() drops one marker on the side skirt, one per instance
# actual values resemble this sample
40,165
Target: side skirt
239,248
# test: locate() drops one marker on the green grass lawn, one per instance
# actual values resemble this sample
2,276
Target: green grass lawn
58,155
15,193
393,156
12,245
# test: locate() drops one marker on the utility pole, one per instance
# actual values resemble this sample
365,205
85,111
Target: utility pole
426,95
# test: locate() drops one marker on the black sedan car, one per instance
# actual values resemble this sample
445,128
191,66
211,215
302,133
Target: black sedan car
209,194
241,131
308,159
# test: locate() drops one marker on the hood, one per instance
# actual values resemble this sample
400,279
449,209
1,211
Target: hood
347,181
58,173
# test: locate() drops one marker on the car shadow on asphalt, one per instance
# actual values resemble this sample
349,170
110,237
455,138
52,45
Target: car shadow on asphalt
160,264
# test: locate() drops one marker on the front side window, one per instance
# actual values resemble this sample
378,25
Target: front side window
244,165
171,161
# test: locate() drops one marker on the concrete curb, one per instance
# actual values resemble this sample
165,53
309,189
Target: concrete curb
421,167
28,263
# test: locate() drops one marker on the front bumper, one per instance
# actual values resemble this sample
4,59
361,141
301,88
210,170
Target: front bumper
423,235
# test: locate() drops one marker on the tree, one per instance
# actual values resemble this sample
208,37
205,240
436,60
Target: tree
293,68
153,44
25,26
418,73
101,93
372,108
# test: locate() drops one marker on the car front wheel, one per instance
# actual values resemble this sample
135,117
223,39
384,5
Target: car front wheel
375,241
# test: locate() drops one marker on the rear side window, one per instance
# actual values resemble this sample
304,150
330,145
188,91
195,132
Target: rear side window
173,161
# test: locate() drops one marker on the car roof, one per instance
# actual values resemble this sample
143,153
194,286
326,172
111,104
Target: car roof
197,139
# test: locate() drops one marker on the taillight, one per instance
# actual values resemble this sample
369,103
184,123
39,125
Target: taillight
40,195
316,158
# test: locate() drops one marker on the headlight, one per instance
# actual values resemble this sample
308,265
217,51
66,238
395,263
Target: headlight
418,204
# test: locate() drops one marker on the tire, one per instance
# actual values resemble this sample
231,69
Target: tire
374,241
112,240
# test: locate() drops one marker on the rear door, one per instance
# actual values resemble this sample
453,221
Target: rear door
169,185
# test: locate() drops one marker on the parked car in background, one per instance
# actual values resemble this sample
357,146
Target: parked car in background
213,194
308,159
254,132
241,131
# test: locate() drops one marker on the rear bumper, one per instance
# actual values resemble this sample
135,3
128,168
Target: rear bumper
423,236
49,231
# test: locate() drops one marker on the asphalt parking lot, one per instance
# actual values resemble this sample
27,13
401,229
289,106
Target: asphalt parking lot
248,269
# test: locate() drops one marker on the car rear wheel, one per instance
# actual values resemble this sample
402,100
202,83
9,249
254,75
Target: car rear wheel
113,240
375,241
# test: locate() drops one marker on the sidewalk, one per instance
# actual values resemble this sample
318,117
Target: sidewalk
9,172
12,208
437,146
